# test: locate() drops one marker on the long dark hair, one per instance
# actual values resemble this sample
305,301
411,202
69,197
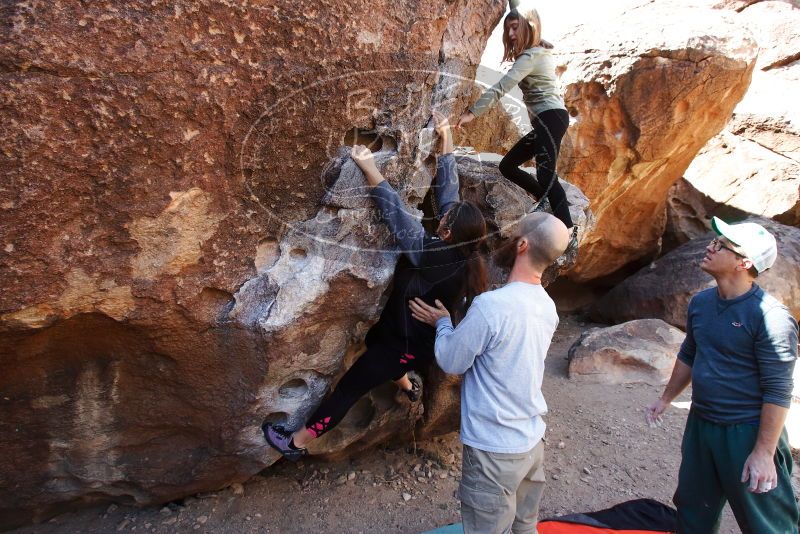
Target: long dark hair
468,233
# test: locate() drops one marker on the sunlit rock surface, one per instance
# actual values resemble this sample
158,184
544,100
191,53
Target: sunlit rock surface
646,89
172,274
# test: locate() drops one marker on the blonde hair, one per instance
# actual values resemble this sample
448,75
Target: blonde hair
529,33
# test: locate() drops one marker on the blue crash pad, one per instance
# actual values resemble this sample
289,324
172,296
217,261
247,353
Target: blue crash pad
449,529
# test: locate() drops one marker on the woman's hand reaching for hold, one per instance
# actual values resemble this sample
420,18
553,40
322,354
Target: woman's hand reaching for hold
442,126
465,117
363,158
366,162
441,123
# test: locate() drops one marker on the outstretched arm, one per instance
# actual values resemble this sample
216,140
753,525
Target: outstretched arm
407,230
455,348
521,68
445,183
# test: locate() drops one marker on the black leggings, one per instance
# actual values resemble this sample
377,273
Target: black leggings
380,363
543,143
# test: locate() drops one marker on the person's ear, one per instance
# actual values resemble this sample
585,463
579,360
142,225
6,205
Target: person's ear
522,245
745,264
446,233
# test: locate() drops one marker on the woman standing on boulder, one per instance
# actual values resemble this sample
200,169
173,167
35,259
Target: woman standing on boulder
534,71
446,268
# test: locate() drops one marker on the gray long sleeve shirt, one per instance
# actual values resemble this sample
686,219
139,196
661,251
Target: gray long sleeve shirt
535,73
742,352
500,347
534,70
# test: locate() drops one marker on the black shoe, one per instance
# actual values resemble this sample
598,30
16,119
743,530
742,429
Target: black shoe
281,440
415,392
573,238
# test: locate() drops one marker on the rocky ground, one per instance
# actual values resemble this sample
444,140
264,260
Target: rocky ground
599,453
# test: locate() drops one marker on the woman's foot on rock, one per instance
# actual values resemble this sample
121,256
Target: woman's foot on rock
415,392
281,440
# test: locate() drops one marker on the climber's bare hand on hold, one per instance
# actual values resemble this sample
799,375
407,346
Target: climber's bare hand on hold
442,125
440,122
366,162
465,117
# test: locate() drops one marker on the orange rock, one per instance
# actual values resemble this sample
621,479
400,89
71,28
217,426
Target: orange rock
646,90
170,278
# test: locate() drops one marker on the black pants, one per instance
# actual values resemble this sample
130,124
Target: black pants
381,362
543,144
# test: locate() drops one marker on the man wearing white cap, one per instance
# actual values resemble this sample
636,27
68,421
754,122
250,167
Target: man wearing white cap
739,355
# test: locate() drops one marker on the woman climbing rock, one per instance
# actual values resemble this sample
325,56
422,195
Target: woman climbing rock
534,71
446,267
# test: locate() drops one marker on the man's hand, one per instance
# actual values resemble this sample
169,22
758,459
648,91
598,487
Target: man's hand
366,162
465,117
680,378
426,313
759,469
652,414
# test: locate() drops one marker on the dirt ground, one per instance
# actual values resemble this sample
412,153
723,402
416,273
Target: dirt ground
599,453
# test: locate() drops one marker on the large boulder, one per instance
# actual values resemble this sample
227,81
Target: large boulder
646,89
663,289
173,270
633,352
736,170
689,215
753,165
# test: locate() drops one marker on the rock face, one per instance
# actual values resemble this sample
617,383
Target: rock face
738,172
173,271
689,215
646,90
632,352
753,166
663,290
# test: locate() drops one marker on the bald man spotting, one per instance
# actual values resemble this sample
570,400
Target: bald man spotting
500,348
539,236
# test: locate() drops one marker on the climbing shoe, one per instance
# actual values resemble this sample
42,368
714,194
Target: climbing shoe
281,440
573,238
415,392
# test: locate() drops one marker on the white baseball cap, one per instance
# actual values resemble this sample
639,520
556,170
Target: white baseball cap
753,240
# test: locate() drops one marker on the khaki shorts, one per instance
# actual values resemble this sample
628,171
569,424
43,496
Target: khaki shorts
500,493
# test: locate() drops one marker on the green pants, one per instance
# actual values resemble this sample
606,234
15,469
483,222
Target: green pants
711,473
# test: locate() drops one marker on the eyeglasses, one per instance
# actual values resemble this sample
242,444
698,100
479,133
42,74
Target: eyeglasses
717,245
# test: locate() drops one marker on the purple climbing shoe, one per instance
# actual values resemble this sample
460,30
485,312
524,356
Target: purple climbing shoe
281,440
